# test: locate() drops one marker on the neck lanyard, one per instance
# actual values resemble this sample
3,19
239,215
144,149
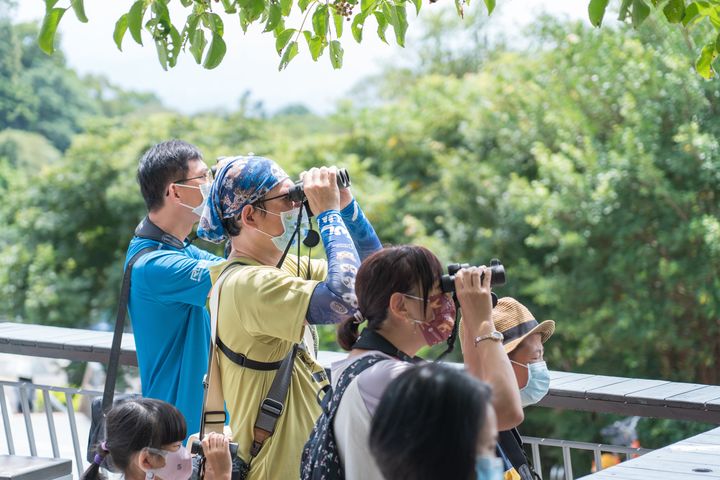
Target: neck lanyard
372,340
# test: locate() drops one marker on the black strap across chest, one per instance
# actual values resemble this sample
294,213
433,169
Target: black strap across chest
147,229
511,444
372,340
243,361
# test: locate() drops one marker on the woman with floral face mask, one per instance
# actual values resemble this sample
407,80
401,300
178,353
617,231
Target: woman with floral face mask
399,296
144,441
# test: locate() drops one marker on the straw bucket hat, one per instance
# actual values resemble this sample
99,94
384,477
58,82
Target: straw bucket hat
516,323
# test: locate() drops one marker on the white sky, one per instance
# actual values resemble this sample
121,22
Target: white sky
251,62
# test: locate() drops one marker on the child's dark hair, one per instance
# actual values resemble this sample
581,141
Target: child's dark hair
387,271
428,422
134,425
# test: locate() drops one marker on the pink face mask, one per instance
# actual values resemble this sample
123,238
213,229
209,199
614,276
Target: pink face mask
178,465
440,327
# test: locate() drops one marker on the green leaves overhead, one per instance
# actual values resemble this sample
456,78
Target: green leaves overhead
640,12
320,20
315,43
357,26
46,38
283,38
703,65
274,15
382,25
78,7
596,11
336,54
215,53
674,11
325,19
290,52
134,20
489,4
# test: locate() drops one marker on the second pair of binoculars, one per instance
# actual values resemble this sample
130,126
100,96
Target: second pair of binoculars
447,282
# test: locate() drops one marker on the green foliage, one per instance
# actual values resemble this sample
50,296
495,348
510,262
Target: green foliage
686,12
26,151
41,94
202,23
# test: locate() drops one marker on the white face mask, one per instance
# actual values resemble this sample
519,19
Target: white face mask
204,191
289,222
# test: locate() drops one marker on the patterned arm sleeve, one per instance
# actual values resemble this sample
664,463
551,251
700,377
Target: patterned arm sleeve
363,234
334,298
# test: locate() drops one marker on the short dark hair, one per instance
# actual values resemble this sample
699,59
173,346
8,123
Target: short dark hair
427,424
392,269
162,164
134,425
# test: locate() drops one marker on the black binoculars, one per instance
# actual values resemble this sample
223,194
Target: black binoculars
297,194
197,449
447,282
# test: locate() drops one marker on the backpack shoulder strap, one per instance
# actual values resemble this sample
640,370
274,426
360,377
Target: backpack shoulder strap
511,444
213,415
346,378
114,360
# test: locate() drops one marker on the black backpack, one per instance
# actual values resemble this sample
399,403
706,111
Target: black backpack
320,457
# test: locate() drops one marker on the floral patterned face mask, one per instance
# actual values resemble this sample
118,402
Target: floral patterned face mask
440,327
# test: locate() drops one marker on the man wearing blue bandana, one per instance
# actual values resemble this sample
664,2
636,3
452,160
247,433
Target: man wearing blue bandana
171,282
266,307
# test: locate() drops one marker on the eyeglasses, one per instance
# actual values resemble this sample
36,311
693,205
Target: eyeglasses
208,175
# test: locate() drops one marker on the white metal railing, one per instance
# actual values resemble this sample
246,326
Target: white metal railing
73,434
25,391
566,472
57,446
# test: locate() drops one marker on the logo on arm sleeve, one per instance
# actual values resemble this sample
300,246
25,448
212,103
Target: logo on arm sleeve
197,272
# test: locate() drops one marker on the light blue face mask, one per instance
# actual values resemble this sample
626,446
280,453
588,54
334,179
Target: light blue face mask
488,468
538,383
289,221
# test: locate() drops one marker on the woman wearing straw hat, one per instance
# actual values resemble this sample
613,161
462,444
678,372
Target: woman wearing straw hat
523,341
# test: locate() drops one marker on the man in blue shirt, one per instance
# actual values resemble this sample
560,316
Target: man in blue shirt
170,284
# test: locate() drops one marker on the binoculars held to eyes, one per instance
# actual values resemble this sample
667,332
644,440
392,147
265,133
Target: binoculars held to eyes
447,282
297,194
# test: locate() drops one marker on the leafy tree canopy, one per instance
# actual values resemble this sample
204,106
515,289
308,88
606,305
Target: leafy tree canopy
320,24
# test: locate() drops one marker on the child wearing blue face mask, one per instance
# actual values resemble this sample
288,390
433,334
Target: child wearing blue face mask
523,341
144,441
435,421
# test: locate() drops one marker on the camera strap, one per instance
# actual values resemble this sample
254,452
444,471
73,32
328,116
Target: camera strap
114,359
372,340
147,229
511,444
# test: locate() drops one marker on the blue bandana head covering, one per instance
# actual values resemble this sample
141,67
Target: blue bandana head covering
241,181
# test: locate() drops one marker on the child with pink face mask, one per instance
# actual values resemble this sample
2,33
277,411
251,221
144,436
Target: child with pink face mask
145,441
403,308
